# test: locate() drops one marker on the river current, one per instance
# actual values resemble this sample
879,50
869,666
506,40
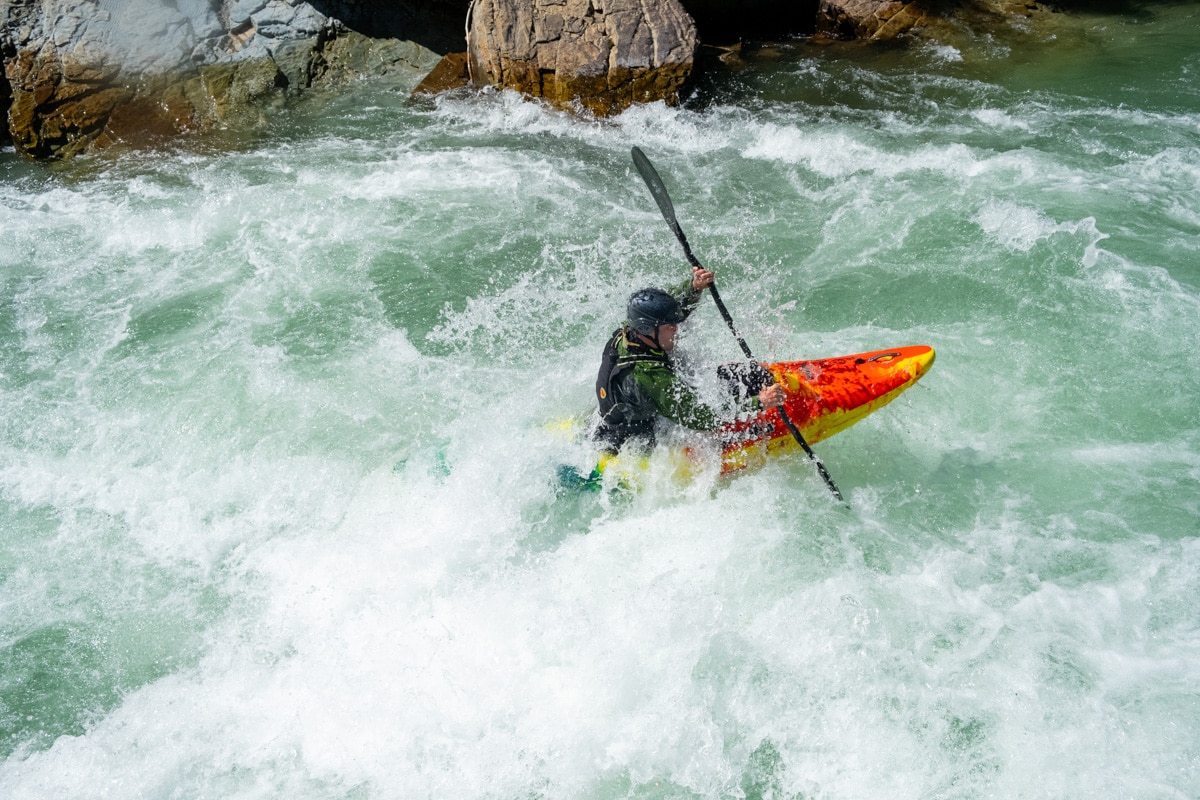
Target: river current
279,514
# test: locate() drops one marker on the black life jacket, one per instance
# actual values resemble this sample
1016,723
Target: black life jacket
624,414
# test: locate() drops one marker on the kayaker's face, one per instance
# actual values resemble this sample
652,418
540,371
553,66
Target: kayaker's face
666,337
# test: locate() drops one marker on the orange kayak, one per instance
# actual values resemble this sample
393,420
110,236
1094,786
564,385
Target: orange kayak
823,396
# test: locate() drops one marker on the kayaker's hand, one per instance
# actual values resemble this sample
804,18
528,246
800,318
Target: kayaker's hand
702,278
771,396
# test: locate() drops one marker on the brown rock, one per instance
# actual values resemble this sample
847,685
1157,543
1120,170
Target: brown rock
143,118
50,114
602,55
450,73
868,19
937,19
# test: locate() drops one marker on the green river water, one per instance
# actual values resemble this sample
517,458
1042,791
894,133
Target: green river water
278,508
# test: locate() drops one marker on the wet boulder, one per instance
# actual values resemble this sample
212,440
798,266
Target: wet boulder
80,73
599,55
868,19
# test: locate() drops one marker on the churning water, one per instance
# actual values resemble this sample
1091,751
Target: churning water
278,510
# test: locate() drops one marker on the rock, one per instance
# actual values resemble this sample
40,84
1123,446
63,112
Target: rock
603,55
281,20
229,87
5,105
297,61
887,19
79,73
83,102
450,73
868,19
350,56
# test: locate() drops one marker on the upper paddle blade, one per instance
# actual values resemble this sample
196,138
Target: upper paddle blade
655,184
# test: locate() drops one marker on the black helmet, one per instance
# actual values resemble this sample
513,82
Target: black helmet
649,308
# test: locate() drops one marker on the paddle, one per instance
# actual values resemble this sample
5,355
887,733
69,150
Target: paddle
655,184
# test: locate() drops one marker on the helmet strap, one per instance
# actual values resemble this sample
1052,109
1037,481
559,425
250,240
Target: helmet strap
651,338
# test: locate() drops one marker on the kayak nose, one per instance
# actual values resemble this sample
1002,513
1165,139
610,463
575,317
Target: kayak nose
921,360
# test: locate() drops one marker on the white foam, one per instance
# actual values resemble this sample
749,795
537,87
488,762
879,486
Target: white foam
945,53
1021,228
1002,119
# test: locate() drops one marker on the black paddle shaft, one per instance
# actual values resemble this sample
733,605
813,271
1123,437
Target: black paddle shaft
655,184
659,191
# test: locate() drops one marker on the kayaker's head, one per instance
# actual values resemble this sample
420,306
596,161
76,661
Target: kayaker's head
655,316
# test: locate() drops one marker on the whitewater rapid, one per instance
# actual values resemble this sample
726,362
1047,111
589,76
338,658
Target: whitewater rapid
278,506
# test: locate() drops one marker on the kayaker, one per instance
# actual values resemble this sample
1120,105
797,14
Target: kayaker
637,382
